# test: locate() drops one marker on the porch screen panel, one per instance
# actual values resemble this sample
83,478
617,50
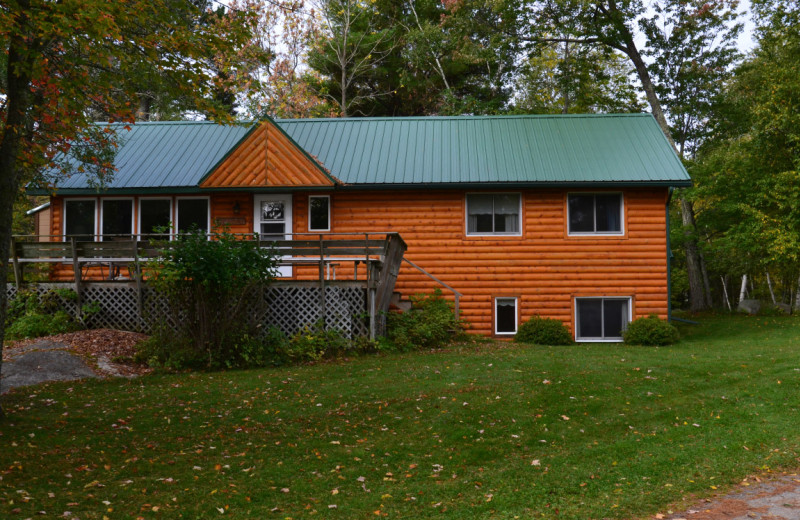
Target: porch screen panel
192,214
154,214
117,219
79,220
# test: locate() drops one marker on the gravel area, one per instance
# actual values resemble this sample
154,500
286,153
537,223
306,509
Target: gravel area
66,357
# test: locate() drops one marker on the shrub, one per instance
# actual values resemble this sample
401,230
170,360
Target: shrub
30,316
650,331
215,291
430,323
314,344
543,331
35,325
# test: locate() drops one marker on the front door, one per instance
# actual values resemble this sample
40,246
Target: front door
273,221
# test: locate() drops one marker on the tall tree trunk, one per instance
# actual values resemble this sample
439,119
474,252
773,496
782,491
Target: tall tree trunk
694,269
15,130
771,292
706,281
743,290
694,263
797,296
725,292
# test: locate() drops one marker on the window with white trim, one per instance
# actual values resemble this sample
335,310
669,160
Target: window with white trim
601,319
505,316
319,213
192,214
494,213
117,219
154,214
79,218
595,213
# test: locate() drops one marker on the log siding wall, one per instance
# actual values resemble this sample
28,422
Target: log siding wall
545,267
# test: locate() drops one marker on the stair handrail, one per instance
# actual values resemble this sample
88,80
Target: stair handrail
456,294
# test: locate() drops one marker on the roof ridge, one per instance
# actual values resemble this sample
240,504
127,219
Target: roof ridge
464,117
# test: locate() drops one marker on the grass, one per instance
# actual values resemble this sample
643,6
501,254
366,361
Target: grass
586,431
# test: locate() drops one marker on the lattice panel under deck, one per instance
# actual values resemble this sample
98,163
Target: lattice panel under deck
289,307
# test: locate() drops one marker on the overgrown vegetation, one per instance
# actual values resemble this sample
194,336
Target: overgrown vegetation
651,331
591,431
431,322
215,294
31,316
543,331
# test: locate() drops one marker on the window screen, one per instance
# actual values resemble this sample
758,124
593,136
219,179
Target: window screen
154,213
117,219
595,213
79,219
192,214
319,214
505,311
601,318
489,214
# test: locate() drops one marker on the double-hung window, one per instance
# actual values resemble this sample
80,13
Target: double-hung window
595,213
601,319
494,213
319,213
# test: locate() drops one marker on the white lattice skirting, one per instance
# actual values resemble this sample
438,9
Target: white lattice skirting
290,307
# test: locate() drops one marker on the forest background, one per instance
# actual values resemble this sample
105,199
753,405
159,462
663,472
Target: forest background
732,116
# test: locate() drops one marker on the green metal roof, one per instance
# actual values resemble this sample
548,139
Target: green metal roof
548,150
173,154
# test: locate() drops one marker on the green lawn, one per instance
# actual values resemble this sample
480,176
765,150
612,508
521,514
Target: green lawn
588,431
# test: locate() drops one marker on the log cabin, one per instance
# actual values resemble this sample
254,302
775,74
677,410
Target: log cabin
561,216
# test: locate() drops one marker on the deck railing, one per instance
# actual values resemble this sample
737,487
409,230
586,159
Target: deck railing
381,254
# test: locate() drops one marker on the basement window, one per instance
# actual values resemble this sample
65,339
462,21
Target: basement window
601,319
505,316
595,213
319,213
493,214
79,219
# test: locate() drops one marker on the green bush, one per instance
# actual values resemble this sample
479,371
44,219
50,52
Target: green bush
430,323
650,331
29,315
313,345
543,331
215,289
35,325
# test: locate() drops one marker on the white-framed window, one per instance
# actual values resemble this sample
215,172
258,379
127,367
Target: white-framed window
154,212
80,218
192,212
602,318
319,213
505,315
490,214
595,213
116,218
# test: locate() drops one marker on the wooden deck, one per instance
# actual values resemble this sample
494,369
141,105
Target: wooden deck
122,260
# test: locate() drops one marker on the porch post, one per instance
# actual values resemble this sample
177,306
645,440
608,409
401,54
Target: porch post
76,267
322,310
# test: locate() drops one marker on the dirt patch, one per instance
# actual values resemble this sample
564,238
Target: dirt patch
76,355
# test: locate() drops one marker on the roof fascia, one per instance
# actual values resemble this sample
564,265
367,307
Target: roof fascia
517,185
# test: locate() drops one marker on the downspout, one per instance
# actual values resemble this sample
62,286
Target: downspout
669,258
